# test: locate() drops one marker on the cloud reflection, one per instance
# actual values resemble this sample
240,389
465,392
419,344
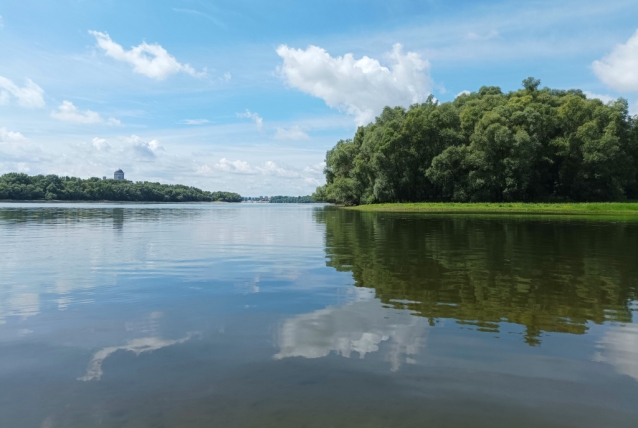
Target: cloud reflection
619,347
138,346
359,327
22,305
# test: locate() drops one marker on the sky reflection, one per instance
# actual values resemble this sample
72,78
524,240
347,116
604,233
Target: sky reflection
261,315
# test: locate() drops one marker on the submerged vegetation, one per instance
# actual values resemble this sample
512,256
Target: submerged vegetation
52,187
531,145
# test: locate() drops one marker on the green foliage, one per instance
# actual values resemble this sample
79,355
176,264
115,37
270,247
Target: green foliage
291,200
51,187
527,145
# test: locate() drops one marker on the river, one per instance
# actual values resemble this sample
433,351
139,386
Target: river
304,315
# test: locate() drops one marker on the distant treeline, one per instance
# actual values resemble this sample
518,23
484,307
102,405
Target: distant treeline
291,199
52,187
486,146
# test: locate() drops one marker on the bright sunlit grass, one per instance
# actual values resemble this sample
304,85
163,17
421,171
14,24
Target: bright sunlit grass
626,208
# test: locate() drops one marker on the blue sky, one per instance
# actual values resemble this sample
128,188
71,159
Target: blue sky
247,96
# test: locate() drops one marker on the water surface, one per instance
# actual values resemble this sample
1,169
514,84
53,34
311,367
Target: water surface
277,315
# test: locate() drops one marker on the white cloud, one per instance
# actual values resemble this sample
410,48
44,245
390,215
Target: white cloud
254,116
462,93
7,136
271,168
360,87
294,133
143,148
227,77
604,98
101,144
30,95
238,167
150,60
1,22
313,181
241,167
195,121
67,112
619,69
315,169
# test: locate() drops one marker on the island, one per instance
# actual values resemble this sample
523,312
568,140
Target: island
491,151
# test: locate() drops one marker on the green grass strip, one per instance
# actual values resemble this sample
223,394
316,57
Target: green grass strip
607,208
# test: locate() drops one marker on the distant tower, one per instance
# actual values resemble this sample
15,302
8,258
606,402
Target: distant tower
118,175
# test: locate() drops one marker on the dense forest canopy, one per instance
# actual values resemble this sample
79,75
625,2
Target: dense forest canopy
527,145
291,200
51,187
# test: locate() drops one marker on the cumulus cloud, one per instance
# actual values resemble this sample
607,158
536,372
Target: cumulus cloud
462,93
313,181
361,87
316,168
242,167
30,95
7,136
294,133
239,167
69,113
619,69
150,60
101,144
254,116
271,168
195,121
604,98
143,148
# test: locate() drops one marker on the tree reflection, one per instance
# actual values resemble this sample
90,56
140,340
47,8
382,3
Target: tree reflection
547,274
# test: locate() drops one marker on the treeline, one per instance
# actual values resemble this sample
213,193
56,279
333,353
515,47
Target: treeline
291,200
487,146
52,187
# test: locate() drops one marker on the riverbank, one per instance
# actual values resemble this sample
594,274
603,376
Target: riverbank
607,208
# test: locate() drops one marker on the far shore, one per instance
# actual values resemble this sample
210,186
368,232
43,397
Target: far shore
92,201
580,208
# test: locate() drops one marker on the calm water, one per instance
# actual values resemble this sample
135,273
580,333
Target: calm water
258,315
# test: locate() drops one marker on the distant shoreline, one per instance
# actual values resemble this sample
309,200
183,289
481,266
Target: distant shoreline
75,201
579,208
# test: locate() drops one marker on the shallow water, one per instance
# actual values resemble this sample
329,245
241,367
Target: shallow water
276,315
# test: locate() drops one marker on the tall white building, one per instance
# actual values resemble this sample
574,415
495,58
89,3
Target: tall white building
118,175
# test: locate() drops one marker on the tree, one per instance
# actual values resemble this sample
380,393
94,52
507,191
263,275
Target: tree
51,187
527,145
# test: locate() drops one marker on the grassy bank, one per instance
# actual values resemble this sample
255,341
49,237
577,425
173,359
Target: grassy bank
607,208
